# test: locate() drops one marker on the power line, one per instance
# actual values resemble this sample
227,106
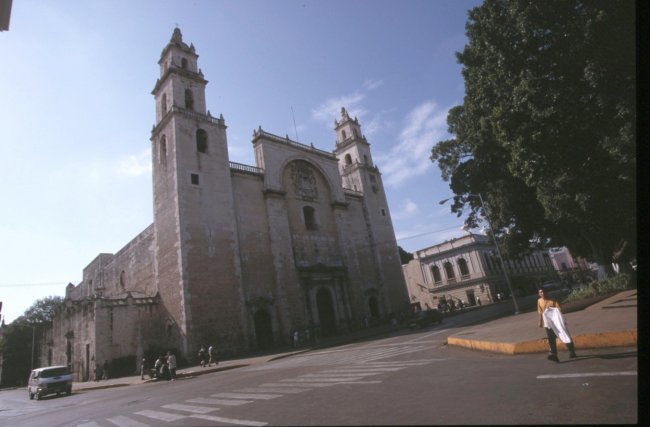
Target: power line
427,233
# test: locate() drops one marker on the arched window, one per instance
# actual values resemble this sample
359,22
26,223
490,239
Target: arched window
163,104
183,63
449,271
189,99
435,271
122,280
348,159
462,266
162,154
344,135
310,217
201,141
365,159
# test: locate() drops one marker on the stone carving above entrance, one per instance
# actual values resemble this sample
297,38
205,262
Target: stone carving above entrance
304,181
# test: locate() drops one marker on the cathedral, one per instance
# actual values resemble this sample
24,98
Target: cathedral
238,256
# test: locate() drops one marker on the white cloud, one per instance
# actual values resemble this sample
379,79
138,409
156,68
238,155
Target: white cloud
330,110
425,125
135,165
409,209
371,84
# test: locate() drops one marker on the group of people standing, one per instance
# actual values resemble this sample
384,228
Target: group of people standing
209,357
164,367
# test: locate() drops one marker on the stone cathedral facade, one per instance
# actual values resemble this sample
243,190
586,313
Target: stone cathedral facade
238,256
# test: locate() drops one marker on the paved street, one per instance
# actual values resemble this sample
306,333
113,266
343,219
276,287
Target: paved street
410,378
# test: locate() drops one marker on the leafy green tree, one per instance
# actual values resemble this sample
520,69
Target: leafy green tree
546,132
16,339
404,256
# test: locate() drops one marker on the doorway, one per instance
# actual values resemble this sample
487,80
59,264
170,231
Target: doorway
326,314
263,330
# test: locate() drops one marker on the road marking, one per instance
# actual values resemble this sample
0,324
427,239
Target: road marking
229,420
224,402
325,380
587,374
364,369
162,416
89,424
341,374
190,408
312,385
360,382
246,396
265,389
126,422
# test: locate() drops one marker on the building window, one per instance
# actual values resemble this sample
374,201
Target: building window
365,159
309,215
437,278
122,280
348,159
162,154
194,178
163,104
383,212
449,271
462,266
189,99
183,63
201,141
344,135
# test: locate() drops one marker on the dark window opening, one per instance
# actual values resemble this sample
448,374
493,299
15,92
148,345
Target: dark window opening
462,266
194,178
310,217
436,274
189,99
201,141
348,159
183,63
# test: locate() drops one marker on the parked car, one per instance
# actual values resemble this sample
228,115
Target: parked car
425,318
49,380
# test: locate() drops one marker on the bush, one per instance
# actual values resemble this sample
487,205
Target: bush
611,285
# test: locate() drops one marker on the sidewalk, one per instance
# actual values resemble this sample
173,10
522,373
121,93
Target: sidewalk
611,322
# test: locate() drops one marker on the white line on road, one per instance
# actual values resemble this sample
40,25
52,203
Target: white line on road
587,374
342,374
163,416
308,385
190,408
126,422
365,369
224,402
89,424
229,421
246,396
325,380
265,389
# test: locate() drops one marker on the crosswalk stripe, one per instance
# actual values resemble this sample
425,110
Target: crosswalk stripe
246,396
309,385
89,424
126,422
190,408
360,382
264,389
364,369
225,402
342,374
325,380
588,374
229,421
163,416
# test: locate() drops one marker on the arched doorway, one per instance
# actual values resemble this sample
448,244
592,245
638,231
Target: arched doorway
326,315
373,305
263,330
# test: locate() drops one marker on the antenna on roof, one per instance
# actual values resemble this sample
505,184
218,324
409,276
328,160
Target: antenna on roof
294,124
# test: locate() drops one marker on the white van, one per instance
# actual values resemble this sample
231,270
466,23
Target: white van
50,380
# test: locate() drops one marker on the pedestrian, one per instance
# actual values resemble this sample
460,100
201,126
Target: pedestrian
212,353
98,370
296,338
143,368
159,367
202,357
550,317
171,364
105,370
478,301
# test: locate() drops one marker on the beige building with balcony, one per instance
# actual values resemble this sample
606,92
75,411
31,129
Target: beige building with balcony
467,269
238,256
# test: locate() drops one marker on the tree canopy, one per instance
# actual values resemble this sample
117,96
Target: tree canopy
546,132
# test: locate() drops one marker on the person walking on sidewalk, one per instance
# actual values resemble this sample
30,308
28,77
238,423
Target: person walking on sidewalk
550,317
171,364
212,353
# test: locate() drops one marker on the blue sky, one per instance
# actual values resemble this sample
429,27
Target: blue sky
77,111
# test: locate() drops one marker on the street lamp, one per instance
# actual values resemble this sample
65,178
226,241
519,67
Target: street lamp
496,245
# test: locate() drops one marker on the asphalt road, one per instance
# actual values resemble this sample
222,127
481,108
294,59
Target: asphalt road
408,378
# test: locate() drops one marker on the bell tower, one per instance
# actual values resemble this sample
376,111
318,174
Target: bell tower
197,271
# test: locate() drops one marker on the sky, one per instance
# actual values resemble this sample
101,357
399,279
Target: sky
76,111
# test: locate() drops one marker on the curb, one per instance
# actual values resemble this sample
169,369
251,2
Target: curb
598,340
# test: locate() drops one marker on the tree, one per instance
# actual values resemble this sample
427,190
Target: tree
546,132
16,339
404,256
